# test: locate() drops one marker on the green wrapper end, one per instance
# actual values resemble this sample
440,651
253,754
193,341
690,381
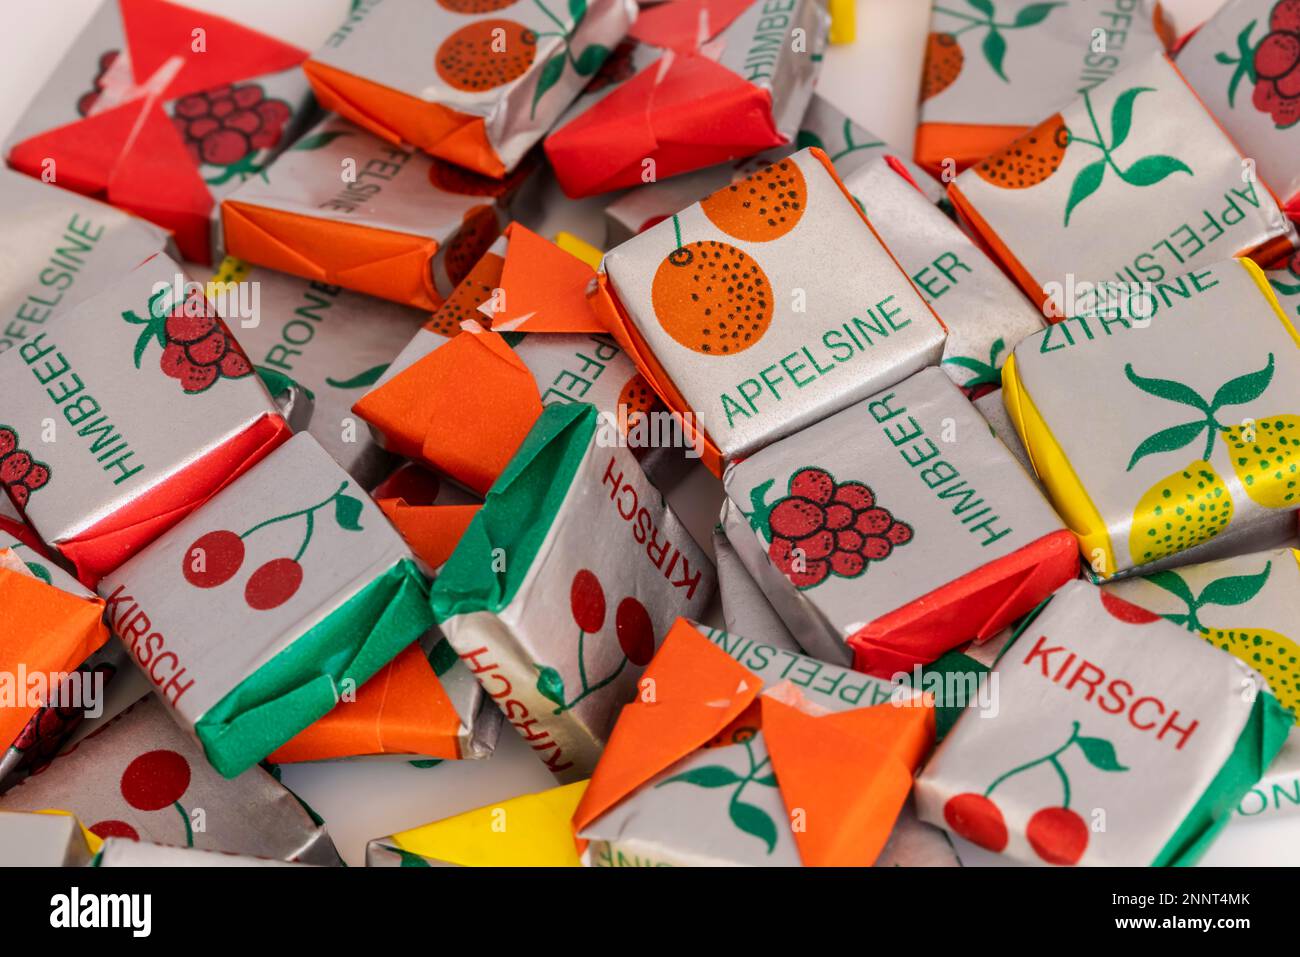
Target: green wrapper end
300,684
497,550
1260,740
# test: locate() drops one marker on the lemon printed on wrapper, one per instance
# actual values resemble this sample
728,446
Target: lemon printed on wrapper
1271,653
1266,458
1192,505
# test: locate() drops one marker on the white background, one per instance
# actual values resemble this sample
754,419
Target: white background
874,80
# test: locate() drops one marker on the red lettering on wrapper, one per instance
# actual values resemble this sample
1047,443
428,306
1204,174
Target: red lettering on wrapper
663,554
134,627
516,711
1113,696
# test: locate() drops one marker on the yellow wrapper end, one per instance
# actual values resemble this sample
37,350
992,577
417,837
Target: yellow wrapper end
1057,474
93,841
535,830
231,270
574,246
1262,282
844,21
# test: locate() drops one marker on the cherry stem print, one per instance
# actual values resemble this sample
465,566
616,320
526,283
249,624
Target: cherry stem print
749,818
1230,590
1099,752
1242,389
1244,62
1146,171
346,510
994,46
585,63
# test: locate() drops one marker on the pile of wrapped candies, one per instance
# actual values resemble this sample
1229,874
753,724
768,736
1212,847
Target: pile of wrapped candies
323,442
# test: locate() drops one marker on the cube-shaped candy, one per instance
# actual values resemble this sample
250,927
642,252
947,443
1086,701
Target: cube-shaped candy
1118,740
473,83
142,777
994,69
42,840
984,312
163,110
565,582
896,529
401,226
126,413
755,320
1244,65
730,766
1132,183
1248,605
255,615
1208,445
702,83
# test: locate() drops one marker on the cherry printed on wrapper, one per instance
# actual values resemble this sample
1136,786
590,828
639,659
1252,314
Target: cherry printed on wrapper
216,557
1058,835
633,629
156,779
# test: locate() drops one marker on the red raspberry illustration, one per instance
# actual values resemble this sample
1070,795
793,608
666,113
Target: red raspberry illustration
1285,16
1058,835
977,819
213,559
208,350
197,348
822,527
15,467
234,364
1126,611
636,633
19,494
36,476
8,440
1272,65
184,329
228,125
173,362
587,601
198,378
273,584
107,829
86,102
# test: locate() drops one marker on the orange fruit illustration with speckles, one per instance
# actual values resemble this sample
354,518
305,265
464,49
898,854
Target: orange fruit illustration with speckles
1029,160
475,6
943,63
478,231
472,291
761,207
474,59
636,396
712,298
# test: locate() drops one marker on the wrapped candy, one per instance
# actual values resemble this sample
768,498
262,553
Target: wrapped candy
255,615
717,764
703,82
1119,740
1137,149
1244,64
163,110
42,840
571,532
329,345
994,69
126,414
476,84
61,248
755,320
523,288
983,311
895,530
47,633
398,224
1206,449
1244,605
141,777
538,834
848,145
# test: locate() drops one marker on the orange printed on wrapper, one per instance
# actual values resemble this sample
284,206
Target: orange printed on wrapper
479,229
1029,160
470,293
470,59
761,207
712,297
944,60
